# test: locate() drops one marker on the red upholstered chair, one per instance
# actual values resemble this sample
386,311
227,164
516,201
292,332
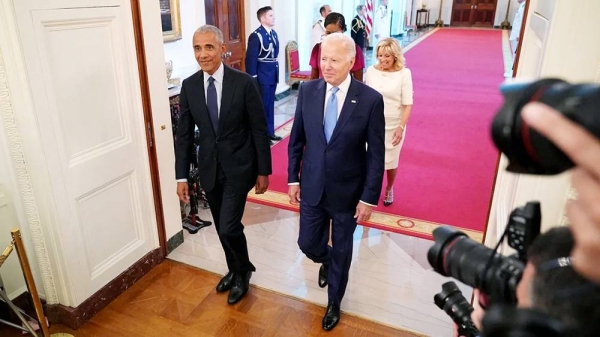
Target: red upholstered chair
293,64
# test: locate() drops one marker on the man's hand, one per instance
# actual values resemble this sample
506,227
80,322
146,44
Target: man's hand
584,150
183,192
363,212
262,184
294,194
478,311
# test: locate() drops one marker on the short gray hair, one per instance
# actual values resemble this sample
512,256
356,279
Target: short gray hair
210,29
347,43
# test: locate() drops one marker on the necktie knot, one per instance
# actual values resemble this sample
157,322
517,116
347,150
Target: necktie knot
334,90
211,80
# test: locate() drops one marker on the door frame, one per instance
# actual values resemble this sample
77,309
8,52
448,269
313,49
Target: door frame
521,33
149,124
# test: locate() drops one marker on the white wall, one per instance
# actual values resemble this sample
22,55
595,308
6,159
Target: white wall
13,210
180,51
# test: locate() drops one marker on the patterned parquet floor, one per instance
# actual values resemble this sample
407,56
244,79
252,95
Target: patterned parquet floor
175,299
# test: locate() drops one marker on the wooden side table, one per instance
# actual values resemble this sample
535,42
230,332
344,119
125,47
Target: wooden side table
419,19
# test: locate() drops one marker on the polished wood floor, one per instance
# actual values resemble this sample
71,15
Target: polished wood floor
178,300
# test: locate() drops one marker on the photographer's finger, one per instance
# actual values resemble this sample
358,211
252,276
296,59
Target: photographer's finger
588,192
575,141
587,241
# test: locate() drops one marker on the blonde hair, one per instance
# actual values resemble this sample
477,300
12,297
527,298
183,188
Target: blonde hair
392,46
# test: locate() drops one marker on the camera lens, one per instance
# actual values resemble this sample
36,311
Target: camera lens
474,264
527,150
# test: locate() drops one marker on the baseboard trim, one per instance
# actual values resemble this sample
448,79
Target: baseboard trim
74,318
174,242
283,94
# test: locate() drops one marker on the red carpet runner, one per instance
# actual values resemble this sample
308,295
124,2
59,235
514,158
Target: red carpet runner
448,162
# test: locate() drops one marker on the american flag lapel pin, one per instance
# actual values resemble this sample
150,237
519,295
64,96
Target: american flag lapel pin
353,101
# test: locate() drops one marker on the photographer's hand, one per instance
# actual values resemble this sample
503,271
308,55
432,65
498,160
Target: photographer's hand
584,213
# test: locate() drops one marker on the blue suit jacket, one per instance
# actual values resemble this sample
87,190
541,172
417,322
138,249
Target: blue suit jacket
350,168
261,56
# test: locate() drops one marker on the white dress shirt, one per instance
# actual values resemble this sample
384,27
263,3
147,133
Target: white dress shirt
218,76
340,95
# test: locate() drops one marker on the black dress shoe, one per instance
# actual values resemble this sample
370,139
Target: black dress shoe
323,272
275,138
225,283
332,317
241,284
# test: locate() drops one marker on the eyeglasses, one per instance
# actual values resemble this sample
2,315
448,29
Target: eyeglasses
561,262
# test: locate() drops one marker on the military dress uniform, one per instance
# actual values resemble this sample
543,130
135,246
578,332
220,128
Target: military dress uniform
358,33
261,64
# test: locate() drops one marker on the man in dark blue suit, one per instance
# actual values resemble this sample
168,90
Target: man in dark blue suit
336,164
261,63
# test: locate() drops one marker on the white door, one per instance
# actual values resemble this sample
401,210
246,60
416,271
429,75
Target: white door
82,69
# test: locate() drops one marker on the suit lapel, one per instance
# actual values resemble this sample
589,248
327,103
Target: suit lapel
319,100
226,96
347,109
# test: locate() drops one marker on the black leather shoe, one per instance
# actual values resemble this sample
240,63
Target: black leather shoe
275,138
225,283
332,317
241,284
323,272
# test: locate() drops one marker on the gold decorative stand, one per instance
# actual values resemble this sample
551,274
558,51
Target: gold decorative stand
17,243
439,22
506,24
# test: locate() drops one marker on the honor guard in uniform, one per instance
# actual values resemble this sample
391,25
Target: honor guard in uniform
261,63
318,28
358,32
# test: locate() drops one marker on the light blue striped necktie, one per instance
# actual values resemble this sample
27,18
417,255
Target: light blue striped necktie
331,112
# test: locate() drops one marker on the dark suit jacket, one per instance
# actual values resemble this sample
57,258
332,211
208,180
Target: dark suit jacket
241,144
346,169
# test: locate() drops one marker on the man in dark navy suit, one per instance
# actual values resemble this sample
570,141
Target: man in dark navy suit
336,164
234,153
261,63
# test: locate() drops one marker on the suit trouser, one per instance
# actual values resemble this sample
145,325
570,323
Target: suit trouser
267,92
227,208
313,239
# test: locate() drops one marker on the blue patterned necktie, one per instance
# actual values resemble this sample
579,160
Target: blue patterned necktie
330,114
211,103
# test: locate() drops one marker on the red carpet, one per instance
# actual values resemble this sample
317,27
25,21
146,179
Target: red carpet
448,162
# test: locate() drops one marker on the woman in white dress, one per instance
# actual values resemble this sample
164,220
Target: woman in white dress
393,81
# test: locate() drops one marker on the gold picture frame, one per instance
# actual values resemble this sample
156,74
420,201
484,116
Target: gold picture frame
170,20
